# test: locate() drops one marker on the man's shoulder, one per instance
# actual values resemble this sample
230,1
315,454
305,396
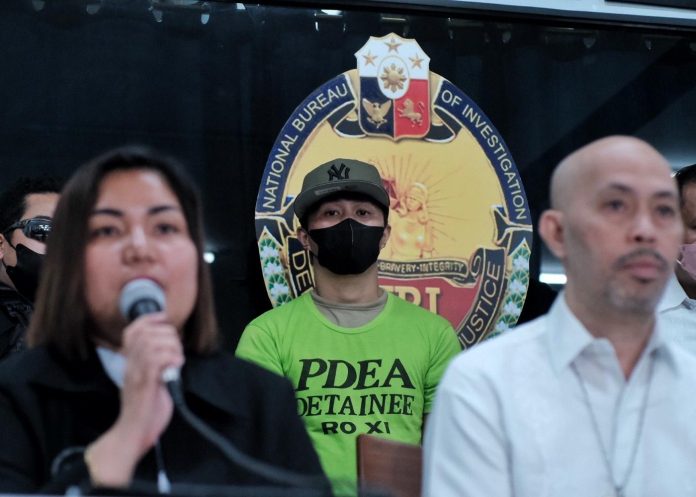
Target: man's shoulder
283,312
410,311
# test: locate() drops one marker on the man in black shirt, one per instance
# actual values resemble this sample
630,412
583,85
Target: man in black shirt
26,210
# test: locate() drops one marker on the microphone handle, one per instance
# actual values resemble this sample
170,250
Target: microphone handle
171,374
140,307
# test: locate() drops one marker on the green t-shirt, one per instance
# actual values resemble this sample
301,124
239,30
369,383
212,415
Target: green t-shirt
379,378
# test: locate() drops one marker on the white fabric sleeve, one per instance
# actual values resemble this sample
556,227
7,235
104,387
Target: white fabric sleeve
465,445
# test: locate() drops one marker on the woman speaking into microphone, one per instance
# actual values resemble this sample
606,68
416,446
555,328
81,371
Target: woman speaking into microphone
87,404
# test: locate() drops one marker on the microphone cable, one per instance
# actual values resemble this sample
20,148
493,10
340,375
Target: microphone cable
268,471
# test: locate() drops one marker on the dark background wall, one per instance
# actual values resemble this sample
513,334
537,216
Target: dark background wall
75,83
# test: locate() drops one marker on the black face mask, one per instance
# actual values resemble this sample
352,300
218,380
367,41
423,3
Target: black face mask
25,275
348,247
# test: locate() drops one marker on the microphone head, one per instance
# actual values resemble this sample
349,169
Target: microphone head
141,296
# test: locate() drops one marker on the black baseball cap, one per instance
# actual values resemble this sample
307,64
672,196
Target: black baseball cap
340,175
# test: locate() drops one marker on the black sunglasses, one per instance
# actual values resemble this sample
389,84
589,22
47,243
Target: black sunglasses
36,228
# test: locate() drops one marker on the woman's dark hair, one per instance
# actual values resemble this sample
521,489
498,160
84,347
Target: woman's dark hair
62,318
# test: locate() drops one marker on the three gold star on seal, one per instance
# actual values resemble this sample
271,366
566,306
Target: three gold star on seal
393,45
416,61
369,59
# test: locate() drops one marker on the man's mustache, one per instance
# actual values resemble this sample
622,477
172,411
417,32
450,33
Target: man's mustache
627,259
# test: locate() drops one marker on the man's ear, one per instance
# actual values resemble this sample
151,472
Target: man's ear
303,237
551,230
385,236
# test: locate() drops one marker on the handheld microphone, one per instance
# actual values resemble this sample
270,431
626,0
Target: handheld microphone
139,297
144,296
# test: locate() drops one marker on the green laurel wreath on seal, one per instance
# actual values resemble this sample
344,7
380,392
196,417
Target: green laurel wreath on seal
272,267
516,291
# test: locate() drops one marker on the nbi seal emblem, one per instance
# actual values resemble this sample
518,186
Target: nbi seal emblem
461,226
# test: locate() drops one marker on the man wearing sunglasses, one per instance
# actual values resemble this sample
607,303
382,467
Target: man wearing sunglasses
26,210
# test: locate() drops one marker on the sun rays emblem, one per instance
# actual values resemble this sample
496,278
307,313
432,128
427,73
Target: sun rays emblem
393,78
418,195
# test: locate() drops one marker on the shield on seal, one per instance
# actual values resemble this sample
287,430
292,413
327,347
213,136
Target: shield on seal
394,88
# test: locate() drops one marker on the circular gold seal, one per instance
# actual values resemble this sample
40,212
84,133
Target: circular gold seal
461,226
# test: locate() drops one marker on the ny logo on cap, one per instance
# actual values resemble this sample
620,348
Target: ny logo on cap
338,173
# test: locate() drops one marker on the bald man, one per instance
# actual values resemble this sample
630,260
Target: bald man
589,399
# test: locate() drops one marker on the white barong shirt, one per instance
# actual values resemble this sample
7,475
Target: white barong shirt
510,417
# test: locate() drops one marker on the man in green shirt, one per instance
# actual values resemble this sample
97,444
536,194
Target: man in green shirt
361,360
